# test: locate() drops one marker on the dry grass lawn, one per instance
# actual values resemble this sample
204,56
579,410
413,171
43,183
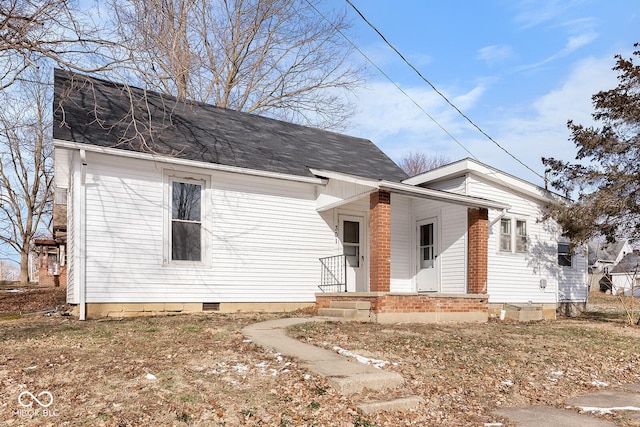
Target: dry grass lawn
200,371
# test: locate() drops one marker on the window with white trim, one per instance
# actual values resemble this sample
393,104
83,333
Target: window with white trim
564,255
505,235
513,235
521,236
186,220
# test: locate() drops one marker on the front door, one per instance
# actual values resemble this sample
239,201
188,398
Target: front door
353,247
427,276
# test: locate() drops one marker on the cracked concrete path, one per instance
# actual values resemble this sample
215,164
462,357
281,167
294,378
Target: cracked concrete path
346,376
625,404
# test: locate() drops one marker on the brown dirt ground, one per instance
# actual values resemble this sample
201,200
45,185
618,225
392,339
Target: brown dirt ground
205,373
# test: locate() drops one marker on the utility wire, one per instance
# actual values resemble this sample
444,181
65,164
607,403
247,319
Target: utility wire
437,91
381,71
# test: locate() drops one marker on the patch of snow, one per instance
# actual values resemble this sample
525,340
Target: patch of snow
606,411
508,383
151,377
557,373
599,383
376,363
279,357
240,368
492,424
247,340
16,291
307,377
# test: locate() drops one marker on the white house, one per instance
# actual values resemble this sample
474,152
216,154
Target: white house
625,275
183,207
528,260
603,256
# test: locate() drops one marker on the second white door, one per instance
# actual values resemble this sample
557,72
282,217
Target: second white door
428,262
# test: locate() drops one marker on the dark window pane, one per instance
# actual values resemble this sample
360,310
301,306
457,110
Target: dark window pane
426,234
351,232
186,201
564,255
185,239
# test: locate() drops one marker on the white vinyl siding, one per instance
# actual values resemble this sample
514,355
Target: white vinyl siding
266,238
517,277
401,274
456,185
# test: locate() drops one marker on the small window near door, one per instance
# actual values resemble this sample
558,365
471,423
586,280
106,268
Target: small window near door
351,242
564,254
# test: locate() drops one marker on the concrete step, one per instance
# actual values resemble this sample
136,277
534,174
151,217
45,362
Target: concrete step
400,404
345,313
356,383
356,305
523,313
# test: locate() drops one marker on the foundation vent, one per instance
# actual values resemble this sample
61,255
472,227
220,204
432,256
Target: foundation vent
211,306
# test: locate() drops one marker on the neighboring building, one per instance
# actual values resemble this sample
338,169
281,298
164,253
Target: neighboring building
625,275
603,256
48,259
203,208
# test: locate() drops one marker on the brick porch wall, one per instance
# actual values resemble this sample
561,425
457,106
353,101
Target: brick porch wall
412,303
380,242
44,279
478,234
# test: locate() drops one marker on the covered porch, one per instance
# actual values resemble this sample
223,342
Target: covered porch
403,253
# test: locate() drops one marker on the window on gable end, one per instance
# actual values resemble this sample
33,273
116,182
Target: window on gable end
186,220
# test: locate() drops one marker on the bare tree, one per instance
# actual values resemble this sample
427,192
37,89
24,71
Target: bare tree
272,57
417,162
31,30
9,272
25,163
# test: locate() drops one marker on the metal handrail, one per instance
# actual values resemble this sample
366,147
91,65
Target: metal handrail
333,274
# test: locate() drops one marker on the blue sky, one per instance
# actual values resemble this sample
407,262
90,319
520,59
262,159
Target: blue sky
518,68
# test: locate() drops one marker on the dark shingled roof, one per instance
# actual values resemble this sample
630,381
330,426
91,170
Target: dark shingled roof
98,112
630,264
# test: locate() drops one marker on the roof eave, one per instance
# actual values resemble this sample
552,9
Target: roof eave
184,162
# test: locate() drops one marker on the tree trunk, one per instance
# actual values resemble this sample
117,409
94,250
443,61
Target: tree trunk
24,267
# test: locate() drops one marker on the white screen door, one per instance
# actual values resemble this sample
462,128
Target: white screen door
428,260
353,247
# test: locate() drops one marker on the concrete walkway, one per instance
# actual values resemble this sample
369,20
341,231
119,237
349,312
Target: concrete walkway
348,377
344,375
622,403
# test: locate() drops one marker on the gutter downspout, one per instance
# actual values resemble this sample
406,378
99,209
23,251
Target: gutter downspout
498,218
82,297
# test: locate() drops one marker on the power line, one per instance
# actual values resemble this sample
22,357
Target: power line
381,71
437,91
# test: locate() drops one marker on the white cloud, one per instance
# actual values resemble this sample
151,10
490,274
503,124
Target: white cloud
529,131
494,54
541,130
536,12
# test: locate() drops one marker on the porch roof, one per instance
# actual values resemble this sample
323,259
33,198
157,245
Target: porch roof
403,189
